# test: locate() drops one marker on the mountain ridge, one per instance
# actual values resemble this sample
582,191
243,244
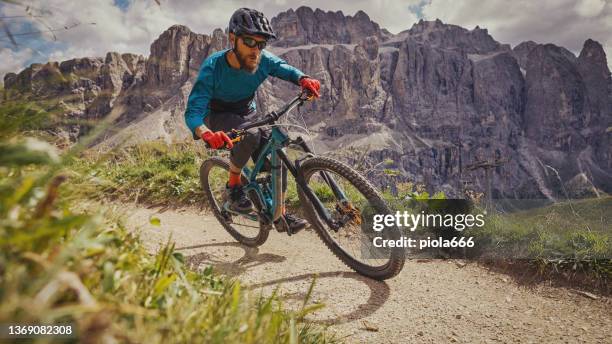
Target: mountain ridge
435,99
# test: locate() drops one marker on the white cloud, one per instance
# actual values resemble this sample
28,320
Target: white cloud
98,26
134,29
562,22
71,52
11,61
590,8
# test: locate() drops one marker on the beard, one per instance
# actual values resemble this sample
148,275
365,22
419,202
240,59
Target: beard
244,61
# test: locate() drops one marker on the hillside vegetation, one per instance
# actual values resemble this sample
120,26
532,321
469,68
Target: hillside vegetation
60,265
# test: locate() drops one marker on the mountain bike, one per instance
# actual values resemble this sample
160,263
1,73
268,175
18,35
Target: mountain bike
336,200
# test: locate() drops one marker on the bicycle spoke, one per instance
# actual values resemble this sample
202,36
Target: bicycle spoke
351,237
243,225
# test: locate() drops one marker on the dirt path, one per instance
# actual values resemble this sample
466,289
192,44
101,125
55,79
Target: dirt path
429,302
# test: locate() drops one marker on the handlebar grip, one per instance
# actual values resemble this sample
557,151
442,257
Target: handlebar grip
230,134
309,95
236,135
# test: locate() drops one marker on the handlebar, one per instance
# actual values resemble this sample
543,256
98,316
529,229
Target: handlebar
236,135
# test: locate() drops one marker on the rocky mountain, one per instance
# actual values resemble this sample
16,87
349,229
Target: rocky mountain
305,26
449,106
83,88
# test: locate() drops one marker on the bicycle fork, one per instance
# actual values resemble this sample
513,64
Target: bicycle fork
319,207
328,179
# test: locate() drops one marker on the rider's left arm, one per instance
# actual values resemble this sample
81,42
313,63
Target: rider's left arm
281,69
197,103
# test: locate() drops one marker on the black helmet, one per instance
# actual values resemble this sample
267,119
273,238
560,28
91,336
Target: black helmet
252,22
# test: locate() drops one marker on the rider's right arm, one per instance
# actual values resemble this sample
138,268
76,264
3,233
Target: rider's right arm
197,104
200,130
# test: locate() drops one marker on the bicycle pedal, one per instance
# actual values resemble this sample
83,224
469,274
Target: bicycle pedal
281,225
252,215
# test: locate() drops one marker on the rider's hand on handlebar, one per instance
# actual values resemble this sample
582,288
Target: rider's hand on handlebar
217,140
310,84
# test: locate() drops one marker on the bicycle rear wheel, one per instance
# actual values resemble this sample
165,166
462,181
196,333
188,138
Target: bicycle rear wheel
248,230
352,242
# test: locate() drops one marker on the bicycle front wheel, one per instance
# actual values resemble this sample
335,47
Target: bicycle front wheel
247,229
352,241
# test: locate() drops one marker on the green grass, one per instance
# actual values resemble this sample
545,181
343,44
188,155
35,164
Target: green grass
83,267
25,116
151,173
575,234
161,174
582,229
42,117
566,239
566,236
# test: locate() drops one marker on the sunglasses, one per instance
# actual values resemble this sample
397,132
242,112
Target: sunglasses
252,43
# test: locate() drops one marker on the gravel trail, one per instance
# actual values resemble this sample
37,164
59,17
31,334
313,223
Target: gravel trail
430,301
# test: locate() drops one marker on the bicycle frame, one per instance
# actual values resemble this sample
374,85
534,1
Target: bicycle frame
270,194
327,211
271,197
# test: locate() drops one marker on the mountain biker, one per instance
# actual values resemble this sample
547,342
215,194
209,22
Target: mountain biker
222,99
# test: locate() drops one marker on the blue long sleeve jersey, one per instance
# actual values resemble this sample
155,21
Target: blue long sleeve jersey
218,80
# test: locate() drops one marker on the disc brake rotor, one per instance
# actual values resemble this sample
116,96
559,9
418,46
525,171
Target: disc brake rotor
347,210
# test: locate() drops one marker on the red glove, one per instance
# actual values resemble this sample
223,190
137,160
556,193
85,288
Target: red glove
217,139
310,84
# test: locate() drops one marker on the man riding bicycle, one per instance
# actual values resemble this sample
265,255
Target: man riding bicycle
222,99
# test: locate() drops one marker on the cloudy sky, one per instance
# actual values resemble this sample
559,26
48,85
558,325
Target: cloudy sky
61,29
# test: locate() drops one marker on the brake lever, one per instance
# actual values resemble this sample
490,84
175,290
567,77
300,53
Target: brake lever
234,135
306,95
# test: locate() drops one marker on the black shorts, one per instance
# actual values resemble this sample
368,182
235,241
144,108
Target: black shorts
226,121
251,144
